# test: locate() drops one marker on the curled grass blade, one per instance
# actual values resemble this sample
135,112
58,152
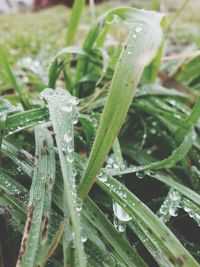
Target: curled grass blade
139,50
178,154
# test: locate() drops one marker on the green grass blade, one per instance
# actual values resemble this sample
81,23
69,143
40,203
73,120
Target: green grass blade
151,71
5,109
185,191
26,119
11,77
74,20
124,250
131,63
36,228
155,4
17,203
178,13
62,111
178,154
59,61
172,250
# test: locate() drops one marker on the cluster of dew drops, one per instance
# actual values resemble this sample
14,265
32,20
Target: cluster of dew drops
68,103
173,202
137,30
120,215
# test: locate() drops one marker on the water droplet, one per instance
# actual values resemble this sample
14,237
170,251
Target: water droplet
138,29
47,93
173,211
75,119
140,174
70,148
170,206
67,137
120,213
152,173
153,131
177,116
79,204
102,177
83,236
74,101
74,172
70,157
67,107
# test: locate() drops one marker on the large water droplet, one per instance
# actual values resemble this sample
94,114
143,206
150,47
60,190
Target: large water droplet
120,213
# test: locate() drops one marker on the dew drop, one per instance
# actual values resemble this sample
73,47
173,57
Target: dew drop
70,148
74,172
79,204
173,211
83,236
70,157
153,131
152,173
67,137
140,174
120,213
67,107
119,225
75,119
74,101
102,177
138,29
47,93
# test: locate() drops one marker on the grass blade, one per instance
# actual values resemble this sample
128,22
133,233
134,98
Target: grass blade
131,63
36,228
74,20
178,154
26,119
11,77
62,111
121,246
5,109
171,249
